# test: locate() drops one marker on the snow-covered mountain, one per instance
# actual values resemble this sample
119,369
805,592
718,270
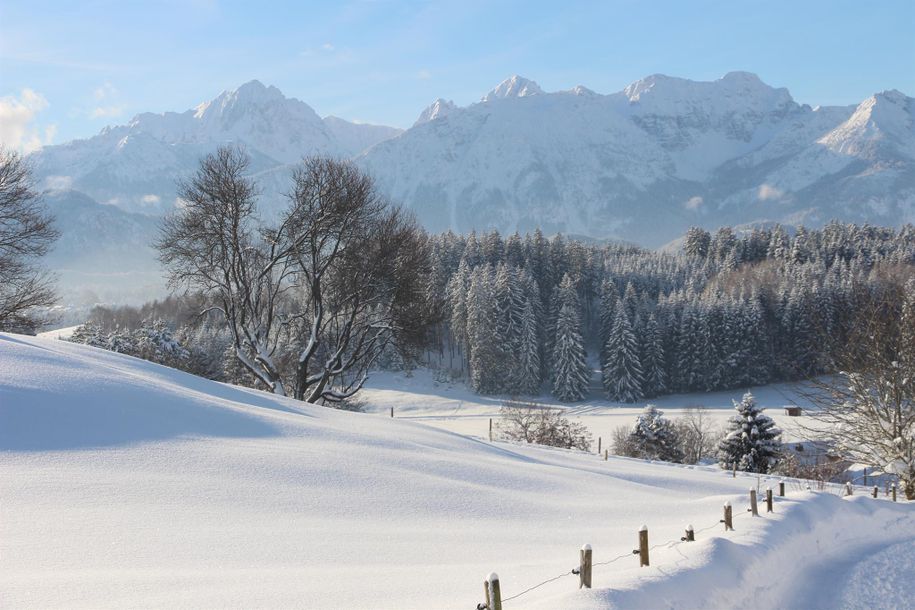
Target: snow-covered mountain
134,166
645,163
641,165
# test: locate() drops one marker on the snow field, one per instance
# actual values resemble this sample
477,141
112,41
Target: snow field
127,484
454,407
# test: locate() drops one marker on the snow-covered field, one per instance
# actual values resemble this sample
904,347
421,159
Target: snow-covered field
417,396
124,484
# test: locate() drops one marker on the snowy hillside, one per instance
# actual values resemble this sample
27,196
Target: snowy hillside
126,484
731,151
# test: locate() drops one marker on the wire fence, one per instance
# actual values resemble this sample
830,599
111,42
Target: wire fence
494,602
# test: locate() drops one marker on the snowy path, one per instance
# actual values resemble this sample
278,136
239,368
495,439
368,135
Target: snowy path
874,576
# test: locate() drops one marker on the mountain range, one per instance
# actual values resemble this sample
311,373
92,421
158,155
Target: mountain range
641,164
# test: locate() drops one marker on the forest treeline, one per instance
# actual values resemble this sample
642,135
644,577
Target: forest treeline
527,313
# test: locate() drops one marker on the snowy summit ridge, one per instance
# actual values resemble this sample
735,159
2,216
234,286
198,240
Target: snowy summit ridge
733,150
513,86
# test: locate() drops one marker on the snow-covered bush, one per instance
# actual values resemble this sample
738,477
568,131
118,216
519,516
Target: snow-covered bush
654,437
751,441
152,341
533,423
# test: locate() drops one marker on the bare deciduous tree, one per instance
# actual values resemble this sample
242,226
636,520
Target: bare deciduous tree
868,409
213,243
26,234
698,434
534,423
336,279
358,262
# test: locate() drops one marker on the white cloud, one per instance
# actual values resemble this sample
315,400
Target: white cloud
58,183
17,116
106,111
105,91
693,203
108,98
424,74
150,199
767,192
327,46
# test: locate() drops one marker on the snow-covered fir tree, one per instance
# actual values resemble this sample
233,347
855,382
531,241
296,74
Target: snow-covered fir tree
571,374
654,375
527,372
751,441
622,371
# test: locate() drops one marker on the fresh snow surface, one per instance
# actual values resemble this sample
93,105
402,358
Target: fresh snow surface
418,396
124,484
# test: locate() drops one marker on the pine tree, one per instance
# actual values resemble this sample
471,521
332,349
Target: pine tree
653,368
527,372
89,334
751,441
608,298
488,359
622,371
654,437
571,375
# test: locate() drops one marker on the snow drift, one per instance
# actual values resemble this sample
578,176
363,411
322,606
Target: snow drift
127,484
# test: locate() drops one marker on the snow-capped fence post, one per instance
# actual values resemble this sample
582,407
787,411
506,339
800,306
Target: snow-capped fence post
493,592
781,488
894,492
690,534
753,508
848,489
584,567
875,491
768,499
642,551
728,522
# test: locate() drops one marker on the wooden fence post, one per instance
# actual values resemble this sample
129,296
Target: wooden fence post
768,499
734,471
875,491
606,452
894,492
865,477
392,411
781,488
490,429
643,546
690,534
598,445
728,522
493,592
584,567
753,508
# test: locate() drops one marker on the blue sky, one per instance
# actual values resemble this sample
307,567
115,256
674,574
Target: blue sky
67,69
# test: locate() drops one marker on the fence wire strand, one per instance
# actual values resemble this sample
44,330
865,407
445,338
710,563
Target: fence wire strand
537,586
669,545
